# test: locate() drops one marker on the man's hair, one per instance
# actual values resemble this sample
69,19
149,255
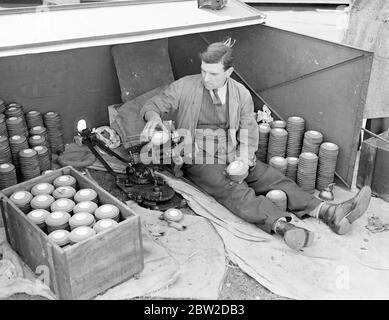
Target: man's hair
219,52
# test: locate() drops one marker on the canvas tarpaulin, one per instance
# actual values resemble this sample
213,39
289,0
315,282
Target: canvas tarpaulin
353,266
182,264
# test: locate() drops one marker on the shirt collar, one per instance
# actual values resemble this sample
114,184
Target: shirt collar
222,92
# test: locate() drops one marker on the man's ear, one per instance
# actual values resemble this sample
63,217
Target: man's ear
229,71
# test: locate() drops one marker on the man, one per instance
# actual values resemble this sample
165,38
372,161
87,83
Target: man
212,105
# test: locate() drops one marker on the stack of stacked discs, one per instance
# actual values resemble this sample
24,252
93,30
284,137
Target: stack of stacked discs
306,172
53,124
104,224
66,192
5,151
277,143
2,105
22,200
38,217
43,157
65,180
29,164
34,119
295,127
328,155
60,237
16,110
3,126
107,211
278,124
16,127
7,175
63,204
279,198
81,219
312,141
81,233
279,163
42,188
57,220
17,144
264,131
291,170
86,194
42,201
85,206
37,140
39,131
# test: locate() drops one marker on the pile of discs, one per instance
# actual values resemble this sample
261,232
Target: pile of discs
29,164
38,140
2,105
263,139
277,143
22,200
15,110
40,131
279,163
67,214
34,119
17,144
309,162
5,151
278,124
295,127
43,157
7,175
24,131
291,169
53,124
279,198
312,141
328,155
16,127
306,171
3,125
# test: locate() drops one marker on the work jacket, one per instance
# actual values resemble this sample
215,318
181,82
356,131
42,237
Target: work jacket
185,96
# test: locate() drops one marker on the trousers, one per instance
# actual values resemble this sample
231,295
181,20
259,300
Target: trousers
248,199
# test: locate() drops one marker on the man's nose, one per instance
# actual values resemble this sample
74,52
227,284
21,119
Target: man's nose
206,77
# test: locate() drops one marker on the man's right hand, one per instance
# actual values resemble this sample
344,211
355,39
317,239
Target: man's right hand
154,122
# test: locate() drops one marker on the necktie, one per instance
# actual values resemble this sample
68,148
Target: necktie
216,98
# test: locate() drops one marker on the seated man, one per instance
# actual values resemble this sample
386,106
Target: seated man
213,105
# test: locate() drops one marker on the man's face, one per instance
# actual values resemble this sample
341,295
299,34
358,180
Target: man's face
214,76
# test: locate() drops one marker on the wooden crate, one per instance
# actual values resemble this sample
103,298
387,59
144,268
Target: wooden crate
373,167
85,269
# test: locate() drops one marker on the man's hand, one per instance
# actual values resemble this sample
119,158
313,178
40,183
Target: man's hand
249,162
154,122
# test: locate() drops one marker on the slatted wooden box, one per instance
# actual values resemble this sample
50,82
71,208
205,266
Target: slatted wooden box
85,269
373,169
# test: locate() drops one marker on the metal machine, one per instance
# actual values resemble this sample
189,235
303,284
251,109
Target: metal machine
140,183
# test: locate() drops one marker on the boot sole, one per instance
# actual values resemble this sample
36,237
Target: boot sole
361,205
298,238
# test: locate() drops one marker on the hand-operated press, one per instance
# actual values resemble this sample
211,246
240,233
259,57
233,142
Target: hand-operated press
140,183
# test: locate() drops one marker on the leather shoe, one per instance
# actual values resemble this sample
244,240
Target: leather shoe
295,237
339,217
